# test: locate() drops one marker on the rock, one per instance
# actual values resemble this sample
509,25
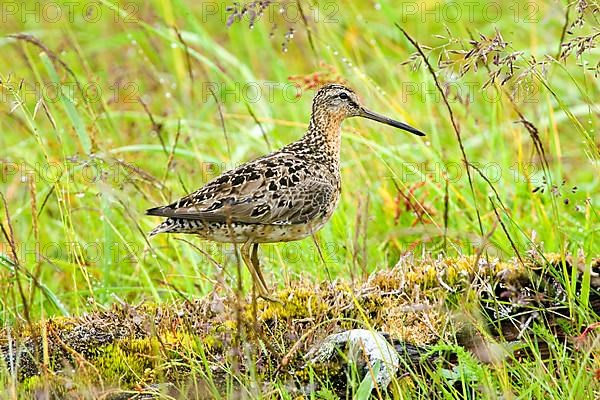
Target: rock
364,348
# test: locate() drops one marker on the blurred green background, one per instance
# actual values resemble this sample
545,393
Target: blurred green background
109,108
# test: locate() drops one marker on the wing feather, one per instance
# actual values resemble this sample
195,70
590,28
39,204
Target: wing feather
275,189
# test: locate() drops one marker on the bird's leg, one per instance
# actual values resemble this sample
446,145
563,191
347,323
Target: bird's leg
256,263
245,252
263,288
254,268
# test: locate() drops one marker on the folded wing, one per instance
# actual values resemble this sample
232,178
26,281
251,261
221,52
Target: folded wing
276,189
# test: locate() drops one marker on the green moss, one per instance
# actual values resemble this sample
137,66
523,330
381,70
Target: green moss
32,384
298,302
212,343
133,347
125,365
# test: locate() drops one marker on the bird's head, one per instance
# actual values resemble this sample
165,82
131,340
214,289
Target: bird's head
333,103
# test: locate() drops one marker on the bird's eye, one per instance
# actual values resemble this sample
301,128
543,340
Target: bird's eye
343,96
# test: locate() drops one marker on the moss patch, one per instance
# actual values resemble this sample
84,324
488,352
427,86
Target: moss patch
201,345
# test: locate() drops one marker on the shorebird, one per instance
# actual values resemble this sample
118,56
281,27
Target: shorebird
283,196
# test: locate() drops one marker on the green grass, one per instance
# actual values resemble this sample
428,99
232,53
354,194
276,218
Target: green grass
79,168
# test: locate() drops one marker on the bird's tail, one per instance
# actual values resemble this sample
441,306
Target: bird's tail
166,226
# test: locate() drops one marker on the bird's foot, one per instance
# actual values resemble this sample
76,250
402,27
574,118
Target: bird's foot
269,298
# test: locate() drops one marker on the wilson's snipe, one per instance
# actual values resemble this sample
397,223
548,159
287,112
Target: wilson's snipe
286,195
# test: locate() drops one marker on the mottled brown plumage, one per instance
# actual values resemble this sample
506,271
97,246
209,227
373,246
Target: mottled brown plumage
283,196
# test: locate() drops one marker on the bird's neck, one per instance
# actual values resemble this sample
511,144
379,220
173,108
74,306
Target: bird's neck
324,136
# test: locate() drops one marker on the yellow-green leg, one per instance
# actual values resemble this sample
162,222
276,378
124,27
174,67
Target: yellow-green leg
253,265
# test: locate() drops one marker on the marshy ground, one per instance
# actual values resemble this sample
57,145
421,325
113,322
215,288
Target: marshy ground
448,320
474,251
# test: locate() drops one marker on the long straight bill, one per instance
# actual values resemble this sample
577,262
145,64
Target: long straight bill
391,122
